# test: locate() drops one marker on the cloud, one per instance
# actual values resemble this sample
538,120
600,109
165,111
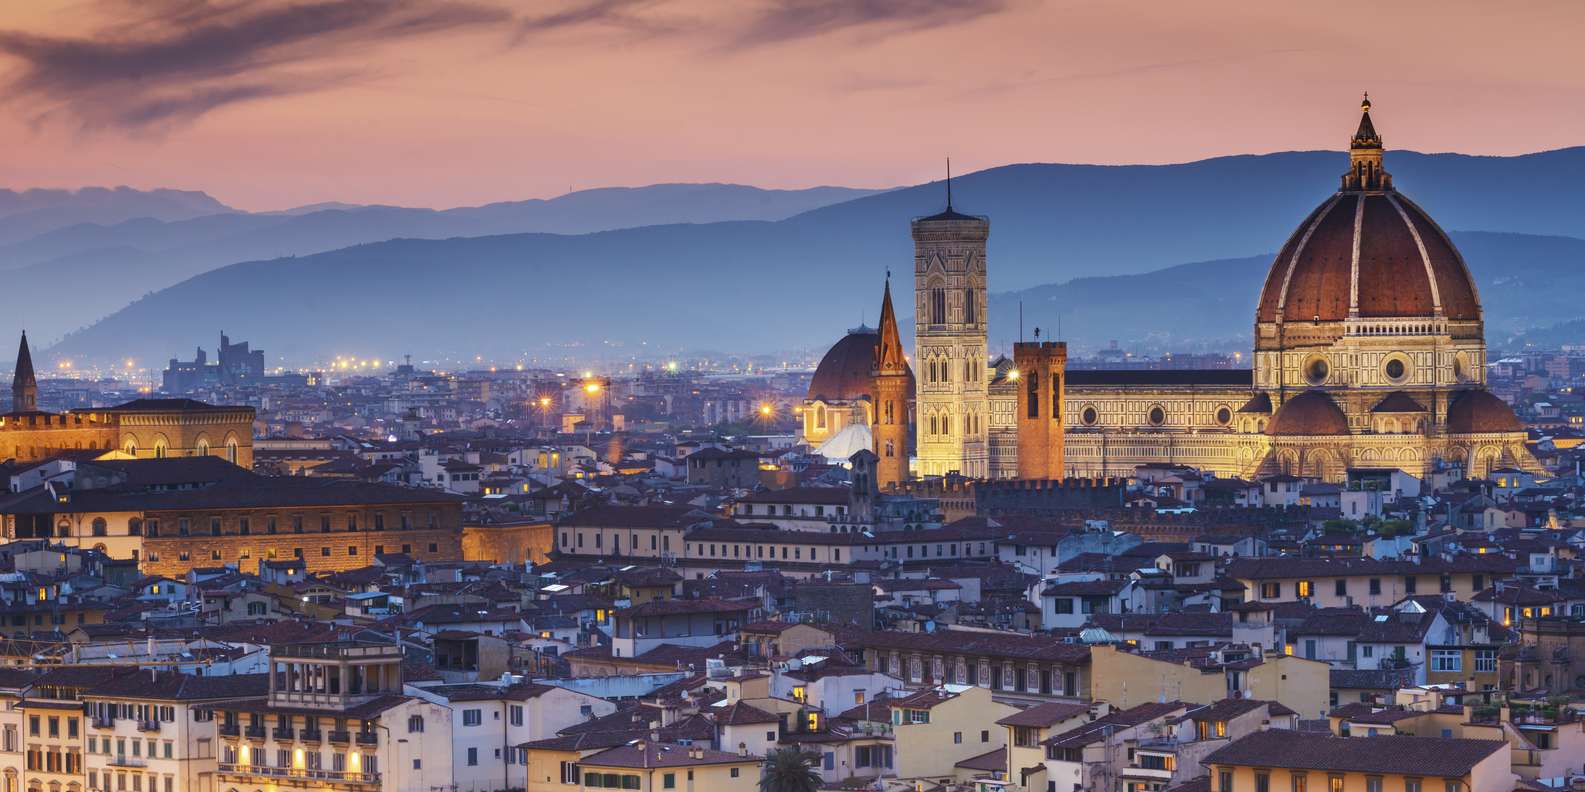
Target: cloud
790,20
165,62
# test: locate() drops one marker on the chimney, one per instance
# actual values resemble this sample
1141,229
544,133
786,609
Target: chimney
742,749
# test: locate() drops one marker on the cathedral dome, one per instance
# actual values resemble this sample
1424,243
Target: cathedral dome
1367,252
1479,412
1309,414
844,374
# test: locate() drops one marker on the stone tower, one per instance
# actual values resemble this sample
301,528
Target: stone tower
24,386
1041,387
953,405
891,381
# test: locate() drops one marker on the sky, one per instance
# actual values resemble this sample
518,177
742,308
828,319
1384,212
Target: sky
267,104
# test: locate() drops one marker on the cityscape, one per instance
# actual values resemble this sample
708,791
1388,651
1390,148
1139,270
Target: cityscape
1218,429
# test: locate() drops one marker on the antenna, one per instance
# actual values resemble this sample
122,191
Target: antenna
949,183
1020,321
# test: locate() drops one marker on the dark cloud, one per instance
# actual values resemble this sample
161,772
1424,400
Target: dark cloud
167,61
614,14
789,20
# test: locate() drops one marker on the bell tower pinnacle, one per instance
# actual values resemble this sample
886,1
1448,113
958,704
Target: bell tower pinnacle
24,386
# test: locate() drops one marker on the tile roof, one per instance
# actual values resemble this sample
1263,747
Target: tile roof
1044,715
1418,756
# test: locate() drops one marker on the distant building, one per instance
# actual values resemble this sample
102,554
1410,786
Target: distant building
236,365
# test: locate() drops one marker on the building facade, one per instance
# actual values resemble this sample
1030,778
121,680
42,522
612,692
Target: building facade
953,405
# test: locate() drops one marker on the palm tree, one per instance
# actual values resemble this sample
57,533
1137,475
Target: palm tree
788,770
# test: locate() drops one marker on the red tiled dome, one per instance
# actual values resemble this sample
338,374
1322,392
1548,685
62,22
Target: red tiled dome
1479,412
1308,414
844,373
1407,265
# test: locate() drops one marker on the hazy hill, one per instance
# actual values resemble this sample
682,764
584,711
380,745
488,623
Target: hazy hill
798,280
144,254
521,294
27,213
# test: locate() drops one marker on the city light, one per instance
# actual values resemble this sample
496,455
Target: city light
766,410
591,387
1013,375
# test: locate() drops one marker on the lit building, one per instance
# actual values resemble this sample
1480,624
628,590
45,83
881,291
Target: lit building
1370,353
335,717
952,405
140,429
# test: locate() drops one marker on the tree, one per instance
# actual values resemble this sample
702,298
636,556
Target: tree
788,770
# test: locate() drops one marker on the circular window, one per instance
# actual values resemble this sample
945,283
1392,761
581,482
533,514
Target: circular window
1158,416
1316,370
1396,369
1224,416
1088,417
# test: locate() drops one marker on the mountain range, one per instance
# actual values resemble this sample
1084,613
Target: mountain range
1103,246
142,254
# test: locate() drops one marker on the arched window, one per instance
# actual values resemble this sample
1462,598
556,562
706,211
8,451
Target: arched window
968,306
415,724
820,416
100,528
938,306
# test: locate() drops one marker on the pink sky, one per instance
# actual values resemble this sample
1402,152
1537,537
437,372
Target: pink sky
487,100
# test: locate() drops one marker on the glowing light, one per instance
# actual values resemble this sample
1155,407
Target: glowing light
544,401
591,387
1013,375
672,366
765,410
129,364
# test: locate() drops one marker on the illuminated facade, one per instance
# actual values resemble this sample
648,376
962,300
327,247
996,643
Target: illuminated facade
1369,354
952,402
139,429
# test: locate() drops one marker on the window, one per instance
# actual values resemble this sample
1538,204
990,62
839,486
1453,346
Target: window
1340,588
570,773
1224,781
1408,587
734,775
1447,660
668,781
1411,785
1272,590
1301,782
415,724
516,715
957,738
1306,589
473,757
1485,661
472,717
1372,783
985,736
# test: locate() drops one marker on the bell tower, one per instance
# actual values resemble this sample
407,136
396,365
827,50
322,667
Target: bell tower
890,390
953,403
1042,377
24,386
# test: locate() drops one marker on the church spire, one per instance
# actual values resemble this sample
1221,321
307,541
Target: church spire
1365,172
24,386
889,358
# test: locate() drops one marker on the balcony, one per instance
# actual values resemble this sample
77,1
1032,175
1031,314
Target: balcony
230,729
311,735
104,723
368,738
122,760
331,776
255,731
341,737
148,725
282,733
